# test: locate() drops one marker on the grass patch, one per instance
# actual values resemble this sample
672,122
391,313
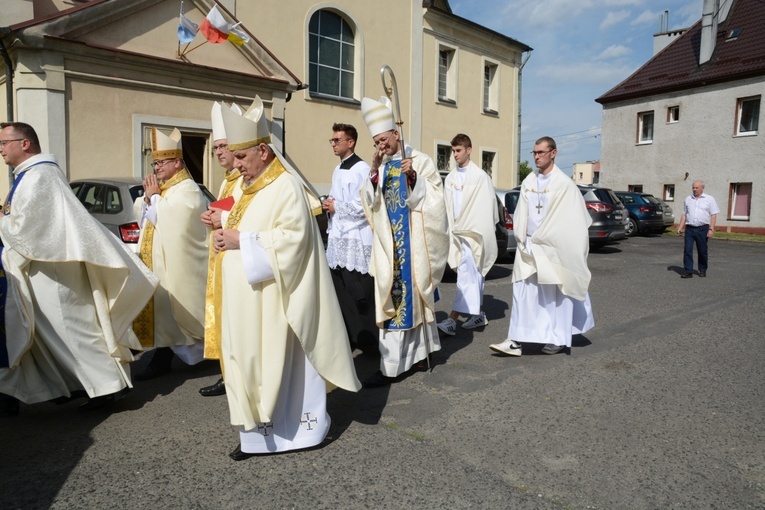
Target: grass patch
728,236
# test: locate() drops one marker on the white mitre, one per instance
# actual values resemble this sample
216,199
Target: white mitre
218,128
248,130
251,129
166,147
378,115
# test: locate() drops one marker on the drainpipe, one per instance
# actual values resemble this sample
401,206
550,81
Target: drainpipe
8,86
520,99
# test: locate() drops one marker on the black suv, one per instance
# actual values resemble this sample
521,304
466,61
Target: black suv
609,216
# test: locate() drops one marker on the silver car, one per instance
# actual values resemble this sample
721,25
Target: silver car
509,198
110,201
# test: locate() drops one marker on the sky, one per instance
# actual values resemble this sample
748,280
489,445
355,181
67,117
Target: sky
581,49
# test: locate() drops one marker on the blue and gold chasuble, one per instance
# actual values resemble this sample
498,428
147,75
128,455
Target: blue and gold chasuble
402,292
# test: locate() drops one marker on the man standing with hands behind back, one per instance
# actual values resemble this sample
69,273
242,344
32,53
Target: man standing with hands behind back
698,222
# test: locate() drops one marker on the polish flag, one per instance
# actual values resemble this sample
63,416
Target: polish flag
214,27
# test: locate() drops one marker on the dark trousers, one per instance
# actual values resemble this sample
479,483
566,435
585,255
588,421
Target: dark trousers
696,235
355,292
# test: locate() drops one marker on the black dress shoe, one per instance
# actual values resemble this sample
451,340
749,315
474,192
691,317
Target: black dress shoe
702,274
237,454
72,396
378,380
219,388
104,400
687,275
160,364
9,406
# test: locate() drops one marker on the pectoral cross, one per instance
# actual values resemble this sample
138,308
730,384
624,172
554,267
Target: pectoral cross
539,207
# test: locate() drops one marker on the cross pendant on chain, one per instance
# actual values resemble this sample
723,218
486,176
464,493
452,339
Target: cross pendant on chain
539,207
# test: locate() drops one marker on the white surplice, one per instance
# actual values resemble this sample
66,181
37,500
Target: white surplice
472,214
550,273
73,292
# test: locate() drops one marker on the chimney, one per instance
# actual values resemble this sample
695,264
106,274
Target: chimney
708,30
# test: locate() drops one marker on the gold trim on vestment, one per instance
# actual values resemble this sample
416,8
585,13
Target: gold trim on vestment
246,145
212,349
269,175
143,325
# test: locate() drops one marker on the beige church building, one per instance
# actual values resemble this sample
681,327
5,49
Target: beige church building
94,76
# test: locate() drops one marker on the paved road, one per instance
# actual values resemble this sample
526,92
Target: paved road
662,405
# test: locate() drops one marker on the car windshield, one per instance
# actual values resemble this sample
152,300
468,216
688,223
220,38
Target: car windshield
652,199
511,201
135,192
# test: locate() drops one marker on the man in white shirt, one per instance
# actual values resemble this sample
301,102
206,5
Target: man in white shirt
698,222
349,242
472,213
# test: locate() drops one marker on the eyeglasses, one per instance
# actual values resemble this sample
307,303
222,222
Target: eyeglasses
335,141
222,147
382,140
161,163
541,153
4,142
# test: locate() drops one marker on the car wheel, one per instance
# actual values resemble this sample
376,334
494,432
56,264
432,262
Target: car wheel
632,228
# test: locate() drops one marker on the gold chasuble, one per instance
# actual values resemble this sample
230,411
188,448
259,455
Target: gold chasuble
176,250
212,348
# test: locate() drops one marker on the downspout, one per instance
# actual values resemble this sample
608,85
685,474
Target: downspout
520,100
8,87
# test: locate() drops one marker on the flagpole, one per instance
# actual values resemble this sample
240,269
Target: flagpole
195,47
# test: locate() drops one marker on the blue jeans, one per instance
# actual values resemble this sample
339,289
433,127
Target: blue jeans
696,235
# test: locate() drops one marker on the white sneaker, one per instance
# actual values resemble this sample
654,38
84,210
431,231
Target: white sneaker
552,349
448,326
507,347
476,321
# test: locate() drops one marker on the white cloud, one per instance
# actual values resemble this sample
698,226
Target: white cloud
602,75
551,13
647,17
614,18
614,51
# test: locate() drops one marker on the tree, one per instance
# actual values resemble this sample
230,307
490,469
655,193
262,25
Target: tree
524,171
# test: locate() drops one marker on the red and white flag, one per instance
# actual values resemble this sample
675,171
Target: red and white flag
214,27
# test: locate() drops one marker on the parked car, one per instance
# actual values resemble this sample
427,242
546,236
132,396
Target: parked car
609,217
645,215
509,198
110,201
669,215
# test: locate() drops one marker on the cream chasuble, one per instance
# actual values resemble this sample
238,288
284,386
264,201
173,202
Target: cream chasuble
279,333
176,250
74,290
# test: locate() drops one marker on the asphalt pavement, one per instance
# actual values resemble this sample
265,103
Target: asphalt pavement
661,405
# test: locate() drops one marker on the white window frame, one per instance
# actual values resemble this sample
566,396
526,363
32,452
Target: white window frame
449,74
492,169
669,193
740,102
734,195
358,60
641,116
490,91
673,114
446,146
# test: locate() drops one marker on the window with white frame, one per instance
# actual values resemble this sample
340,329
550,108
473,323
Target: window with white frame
443,153
740,200
447,74
490,88
331,55
673,114
669,192
487,161
748,116
645,127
